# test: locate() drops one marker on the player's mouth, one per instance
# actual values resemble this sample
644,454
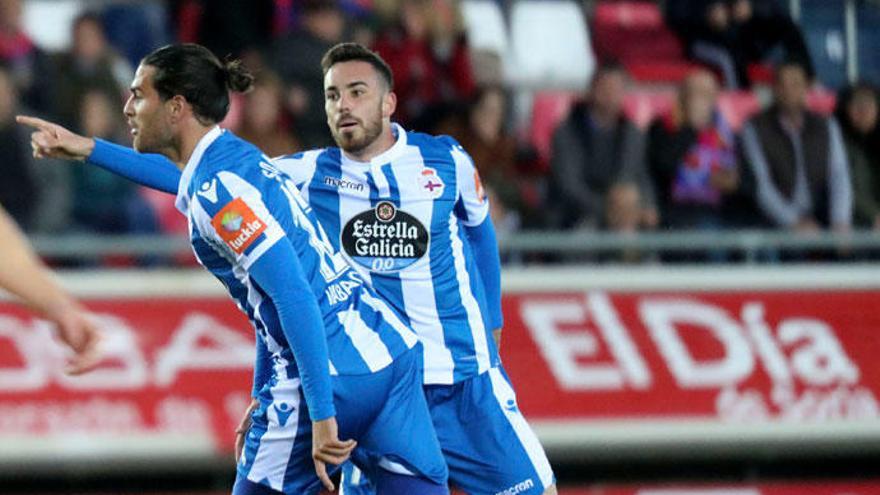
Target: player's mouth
347,123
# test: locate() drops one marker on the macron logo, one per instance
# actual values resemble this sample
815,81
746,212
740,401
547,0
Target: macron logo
209,191
518,488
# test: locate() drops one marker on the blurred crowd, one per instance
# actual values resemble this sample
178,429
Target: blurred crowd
687,166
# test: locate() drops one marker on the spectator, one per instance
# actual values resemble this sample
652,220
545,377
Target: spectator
28,65
226,27
857,108
763,26
598,170
261,120
429,55
480,130
90,63
798,160
297,59
730,35
36,194
692,158
104,202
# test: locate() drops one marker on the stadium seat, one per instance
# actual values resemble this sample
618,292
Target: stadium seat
634,34
642,106
484,23
821,100
663,72
550,45
549,108
738,106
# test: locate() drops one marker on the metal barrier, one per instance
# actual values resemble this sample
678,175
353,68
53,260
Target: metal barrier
745,245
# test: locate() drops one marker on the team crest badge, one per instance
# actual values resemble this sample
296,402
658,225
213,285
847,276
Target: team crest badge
385,211
431,182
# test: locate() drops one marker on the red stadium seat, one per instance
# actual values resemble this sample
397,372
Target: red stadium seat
820,100
643,106
633,33
664,71
738,106
761,74
548,110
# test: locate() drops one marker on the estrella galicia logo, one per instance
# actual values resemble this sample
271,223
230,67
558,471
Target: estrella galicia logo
385,239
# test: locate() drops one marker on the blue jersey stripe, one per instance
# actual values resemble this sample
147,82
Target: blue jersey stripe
394,190
449,304
328,165
388,284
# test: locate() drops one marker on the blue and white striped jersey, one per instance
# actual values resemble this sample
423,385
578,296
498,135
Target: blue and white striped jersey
239,206
398,220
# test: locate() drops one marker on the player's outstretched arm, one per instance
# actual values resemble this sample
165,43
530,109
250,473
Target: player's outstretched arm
50,140
24,275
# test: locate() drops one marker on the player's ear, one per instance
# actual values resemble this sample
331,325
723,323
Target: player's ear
175,106
389,104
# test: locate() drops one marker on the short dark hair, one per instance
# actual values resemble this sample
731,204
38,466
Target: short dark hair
346,52
192,71
88,17
792,63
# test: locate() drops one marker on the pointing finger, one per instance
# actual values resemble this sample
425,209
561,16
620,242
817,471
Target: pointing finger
34,122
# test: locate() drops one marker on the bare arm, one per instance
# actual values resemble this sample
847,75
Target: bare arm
24,275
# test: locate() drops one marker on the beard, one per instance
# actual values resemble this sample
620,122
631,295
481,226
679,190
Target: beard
357,138
151,141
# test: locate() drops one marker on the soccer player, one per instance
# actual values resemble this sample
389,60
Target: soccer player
329,349
409,213
23,275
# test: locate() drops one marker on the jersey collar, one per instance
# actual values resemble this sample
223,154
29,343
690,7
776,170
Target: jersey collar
182,202
391,153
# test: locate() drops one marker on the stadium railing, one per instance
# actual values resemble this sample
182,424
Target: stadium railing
743,246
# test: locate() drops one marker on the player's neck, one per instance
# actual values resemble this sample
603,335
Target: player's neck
187,141
382,144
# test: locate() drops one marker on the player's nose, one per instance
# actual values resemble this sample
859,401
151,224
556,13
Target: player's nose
128,109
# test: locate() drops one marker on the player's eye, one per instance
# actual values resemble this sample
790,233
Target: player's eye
331,96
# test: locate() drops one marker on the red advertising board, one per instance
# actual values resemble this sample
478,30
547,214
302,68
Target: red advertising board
736,356
790,488
174,367
183,366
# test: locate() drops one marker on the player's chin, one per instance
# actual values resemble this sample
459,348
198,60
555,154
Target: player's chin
136,144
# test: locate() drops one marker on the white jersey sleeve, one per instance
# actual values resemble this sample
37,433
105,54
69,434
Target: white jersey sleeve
471,207
300,167
232,215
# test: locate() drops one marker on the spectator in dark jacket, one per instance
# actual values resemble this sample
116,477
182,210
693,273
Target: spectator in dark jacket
692,158
29,67
297,59
857,108
428,53
729,35
598,173
91,63
35,192
798,160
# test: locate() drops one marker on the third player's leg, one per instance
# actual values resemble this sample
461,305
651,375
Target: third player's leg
488,445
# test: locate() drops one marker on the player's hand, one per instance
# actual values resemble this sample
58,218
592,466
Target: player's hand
496,335
79,332
327,448
53,141
243,426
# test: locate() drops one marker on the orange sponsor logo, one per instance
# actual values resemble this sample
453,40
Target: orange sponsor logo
238,225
